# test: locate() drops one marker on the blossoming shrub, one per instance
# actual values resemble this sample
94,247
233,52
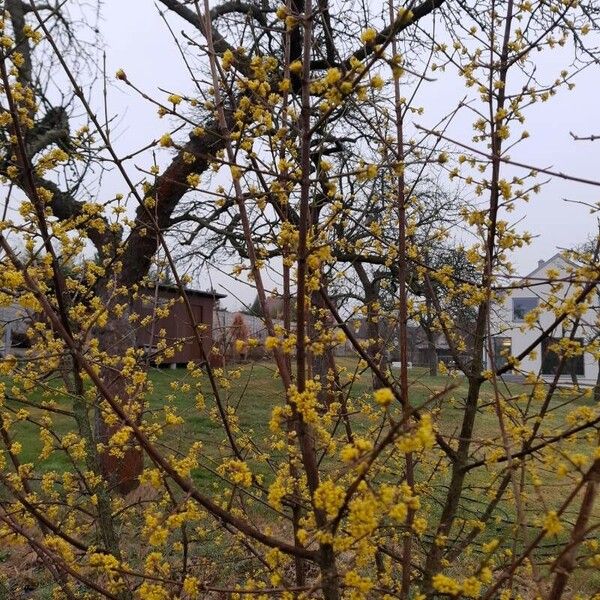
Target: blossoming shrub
365,482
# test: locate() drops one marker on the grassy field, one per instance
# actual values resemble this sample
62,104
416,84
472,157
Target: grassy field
252,396
257,389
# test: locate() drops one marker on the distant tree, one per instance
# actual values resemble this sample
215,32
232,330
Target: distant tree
256,308
434,296
239,334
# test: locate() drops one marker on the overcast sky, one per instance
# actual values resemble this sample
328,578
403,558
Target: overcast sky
138,41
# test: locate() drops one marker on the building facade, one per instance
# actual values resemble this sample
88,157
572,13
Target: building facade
520,320
14,322
177,324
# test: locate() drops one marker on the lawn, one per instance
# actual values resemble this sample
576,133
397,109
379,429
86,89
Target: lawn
256,389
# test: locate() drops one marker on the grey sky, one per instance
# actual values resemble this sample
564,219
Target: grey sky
138,41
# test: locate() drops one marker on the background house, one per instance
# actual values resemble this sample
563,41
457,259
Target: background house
14,322
422,349
177,325
511,337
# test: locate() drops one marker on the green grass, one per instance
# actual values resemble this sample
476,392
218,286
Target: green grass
258,389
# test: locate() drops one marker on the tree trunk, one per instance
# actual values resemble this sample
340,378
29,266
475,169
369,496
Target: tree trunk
432,357
374,343
121,472
375,348
106,526
574,379
319,361
329,575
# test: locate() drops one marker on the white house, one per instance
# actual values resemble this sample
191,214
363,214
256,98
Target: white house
14,322
511,333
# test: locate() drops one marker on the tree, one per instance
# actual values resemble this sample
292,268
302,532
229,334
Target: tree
305,111
435,299
239,335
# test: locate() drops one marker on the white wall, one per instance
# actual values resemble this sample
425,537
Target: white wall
522,336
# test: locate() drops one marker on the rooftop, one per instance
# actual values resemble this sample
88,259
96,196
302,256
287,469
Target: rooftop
191,292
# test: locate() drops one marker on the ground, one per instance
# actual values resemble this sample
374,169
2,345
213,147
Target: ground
252,396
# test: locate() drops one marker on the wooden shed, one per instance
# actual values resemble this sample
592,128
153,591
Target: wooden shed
177,325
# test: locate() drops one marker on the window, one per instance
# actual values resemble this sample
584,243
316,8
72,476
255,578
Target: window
502,350
521,306
551,360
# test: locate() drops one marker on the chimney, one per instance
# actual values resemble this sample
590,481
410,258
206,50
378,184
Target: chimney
540,263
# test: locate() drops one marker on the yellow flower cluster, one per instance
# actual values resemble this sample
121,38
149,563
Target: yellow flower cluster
421,438
368,36
470,587
446,585
358,448
118,440
359,586
306,402
383,396
329,497
552,524
236,471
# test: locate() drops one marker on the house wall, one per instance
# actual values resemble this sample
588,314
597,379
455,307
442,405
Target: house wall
14,323
178,325
521,337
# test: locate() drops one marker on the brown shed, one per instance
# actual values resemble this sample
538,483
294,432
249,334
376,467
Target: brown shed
177,325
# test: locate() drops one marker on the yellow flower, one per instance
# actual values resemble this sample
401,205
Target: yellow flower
362,585
227,60
191,586
398,512
329,497
236,471
333,76
33,34
490,546
445,585
505,189
296,67
165,140
420,525
285,85
368,36
271,342
552,525
383,396
193,180
405,15
351,452
471,587
377,82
